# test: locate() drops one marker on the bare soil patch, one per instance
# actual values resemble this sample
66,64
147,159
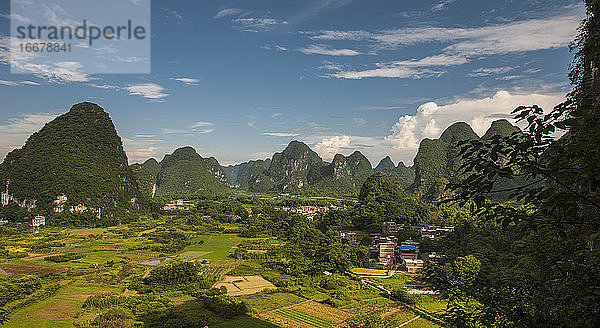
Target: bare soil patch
244,285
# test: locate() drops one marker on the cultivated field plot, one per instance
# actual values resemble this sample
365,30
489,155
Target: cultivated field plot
29,268
308,314
246,322
244,285
214,247
265,302
58,310
369,272
218,270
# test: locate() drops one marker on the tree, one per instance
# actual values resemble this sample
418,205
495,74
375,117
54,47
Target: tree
556,208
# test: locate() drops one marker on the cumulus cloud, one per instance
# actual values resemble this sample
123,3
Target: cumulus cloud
150,91
431,119
320,49
15,132
328,147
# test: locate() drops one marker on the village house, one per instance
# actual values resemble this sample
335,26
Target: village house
5,195
36,222
389,228
80,208
433,232
409,250
59,203
387,253
350,237
413,266
4,198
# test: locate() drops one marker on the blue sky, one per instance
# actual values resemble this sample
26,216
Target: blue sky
239,80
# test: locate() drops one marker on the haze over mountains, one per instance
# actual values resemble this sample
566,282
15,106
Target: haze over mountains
80,154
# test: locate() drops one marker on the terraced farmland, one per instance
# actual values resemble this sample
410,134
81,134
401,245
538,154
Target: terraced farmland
304,317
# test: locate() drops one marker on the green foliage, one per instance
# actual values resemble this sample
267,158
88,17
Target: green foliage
4,318
184,172
176,273
438,161
382,199
167,240
63,258
17,287
402,296
78,154
153,166
144,178
138,305
222,305
298,169
173,319
550,229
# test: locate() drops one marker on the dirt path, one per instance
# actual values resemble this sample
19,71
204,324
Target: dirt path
34,257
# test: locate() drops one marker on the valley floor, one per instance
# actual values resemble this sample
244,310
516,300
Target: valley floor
108,259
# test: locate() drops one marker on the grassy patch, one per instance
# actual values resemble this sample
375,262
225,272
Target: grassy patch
303,317
246,322
369,272
214,247
264,302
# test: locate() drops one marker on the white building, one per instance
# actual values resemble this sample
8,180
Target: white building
78,208
38,221
413,265
60,199
5,196
389,228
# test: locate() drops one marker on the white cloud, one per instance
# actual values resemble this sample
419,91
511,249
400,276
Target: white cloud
16,83
281,134
58,72
320,49
15,132
431,119
228,12
201,124
274,47
186,80
151,91
381,107
527,35
257,24
442,5
339,35
414,69
16,17
203,127
481,72
360,121
459,45
137,155
328,147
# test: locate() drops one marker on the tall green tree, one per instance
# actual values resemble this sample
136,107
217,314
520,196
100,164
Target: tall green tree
556,208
